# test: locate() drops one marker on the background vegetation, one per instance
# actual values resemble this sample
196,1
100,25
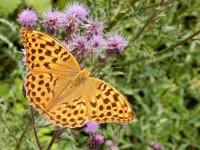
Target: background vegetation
159,73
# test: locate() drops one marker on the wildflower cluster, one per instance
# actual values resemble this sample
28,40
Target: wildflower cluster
83,35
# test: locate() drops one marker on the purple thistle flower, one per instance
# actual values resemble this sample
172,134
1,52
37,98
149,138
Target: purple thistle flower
52,21
116,44
97,41
91,127
70,22
80,46
156,146
93,27
102,58
27,18
78,10
95,141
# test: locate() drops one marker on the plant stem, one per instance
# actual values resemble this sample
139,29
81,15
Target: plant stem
188,38
177,44
56,134
34,127
149,21
53,4
19,141
6,126
118,134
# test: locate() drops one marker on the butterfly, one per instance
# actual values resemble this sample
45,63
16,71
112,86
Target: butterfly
67,95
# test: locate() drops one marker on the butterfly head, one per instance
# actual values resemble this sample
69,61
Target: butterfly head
86,72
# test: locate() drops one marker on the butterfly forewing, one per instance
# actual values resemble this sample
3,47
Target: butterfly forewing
44,53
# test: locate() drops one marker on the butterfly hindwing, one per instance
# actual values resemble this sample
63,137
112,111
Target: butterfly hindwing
107,104
71,111
43,89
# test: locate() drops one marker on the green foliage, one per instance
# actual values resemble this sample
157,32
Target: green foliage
39,5
162,86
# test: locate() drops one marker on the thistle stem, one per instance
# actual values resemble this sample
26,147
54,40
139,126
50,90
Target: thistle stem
56,134
34,127
163,51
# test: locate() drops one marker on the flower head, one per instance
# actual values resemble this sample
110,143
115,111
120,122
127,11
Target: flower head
52,21
156,146
116,44
77,10
27,18
70,22
95,141
97,41
80,46
91,127
93,27
102,58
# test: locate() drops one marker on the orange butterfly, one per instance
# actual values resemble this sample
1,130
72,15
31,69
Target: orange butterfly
56,86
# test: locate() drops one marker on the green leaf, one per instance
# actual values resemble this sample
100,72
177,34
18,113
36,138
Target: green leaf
39,5
4,89
8,6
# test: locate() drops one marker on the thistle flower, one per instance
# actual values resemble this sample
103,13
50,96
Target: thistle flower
70,22
97,41
93,27
102,58
52,21
78,10
116,44
95,141
80,46
27,18
156,146
91,127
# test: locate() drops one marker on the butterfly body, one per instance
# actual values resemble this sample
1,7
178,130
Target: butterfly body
81,77
58,87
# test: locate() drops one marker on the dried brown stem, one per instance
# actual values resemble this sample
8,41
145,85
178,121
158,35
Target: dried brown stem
34,127
56,134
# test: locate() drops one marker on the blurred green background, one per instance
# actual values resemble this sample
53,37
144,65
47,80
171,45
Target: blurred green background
162,86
